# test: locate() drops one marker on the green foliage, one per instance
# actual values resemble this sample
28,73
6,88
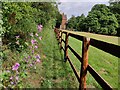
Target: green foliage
115,8
58,20
72,23
21,19
80,22
101,19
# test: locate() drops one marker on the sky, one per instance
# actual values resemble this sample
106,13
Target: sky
78,7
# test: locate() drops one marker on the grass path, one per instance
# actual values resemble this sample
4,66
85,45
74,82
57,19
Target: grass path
52,72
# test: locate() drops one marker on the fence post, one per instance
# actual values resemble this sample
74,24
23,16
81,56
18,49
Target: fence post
84,64
61,40
66,47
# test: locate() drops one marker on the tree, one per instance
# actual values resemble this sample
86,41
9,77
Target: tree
115,9
100,19
72,23
80,22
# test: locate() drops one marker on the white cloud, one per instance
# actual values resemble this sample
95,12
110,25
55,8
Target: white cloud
77,8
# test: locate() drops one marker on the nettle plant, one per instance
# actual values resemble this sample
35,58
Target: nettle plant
12,76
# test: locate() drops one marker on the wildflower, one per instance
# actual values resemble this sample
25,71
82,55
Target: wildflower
26,61
37,56
29,57
38,60
31,34
12,83
32,51
33,41
11,78
30,65
40,37
39,28
36,46
36,34
16,66
17,37
17,78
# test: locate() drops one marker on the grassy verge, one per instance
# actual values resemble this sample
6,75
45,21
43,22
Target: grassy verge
53,72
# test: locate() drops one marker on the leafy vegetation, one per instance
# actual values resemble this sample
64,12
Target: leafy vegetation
22,24
22,19
101,19
30,51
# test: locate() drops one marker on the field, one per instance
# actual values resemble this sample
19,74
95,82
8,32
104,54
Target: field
105,64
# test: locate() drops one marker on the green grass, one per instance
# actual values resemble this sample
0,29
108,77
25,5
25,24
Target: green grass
105,64
53,71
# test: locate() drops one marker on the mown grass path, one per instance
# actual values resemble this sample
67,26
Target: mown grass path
52,72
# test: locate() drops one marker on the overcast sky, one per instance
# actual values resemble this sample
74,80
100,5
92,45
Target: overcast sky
77,7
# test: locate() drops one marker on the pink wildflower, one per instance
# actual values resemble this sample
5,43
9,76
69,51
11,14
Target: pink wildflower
12,83
26,61
36,34
29,57
40,37
30,65
37,56
32,51
33,41
38,60
16,66
17,37
11,78
36,46
17,78
39,28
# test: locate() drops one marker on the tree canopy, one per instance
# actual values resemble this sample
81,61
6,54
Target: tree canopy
101,19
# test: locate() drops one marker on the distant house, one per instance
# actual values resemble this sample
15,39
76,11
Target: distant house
64,21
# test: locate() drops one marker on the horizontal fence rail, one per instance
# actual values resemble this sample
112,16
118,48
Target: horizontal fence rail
107,47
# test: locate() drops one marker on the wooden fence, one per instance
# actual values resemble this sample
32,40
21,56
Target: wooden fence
86,42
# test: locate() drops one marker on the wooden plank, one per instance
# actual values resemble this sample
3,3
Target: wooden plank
66,47
76,36
61,40
84,64
74,70
75,53
99,79
107,47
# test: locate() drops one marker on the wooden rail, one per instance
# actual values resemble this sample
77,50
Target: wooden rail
107,47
